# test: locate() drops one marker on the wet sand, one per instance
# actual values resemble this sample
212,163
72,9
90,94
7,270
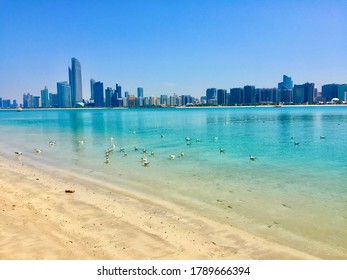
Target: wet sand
39,220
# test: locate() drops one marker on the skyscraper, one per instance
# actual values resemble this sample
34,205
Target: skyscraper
221,97
92,82
303,93
98,94
211,96
109,93
342,92
250,95
27,100
139,92
75,80
286,84
329,91
236,96
45,98
64,95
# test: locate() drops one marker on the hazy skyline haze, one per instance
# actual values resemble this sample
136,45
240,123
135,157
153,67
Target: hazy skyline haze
171,46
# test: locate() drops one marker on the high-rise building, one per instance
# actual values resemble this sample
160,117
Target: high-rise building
329,91
109,93
45,98
236,96
267,95
119,91
64,95
286,84
285,90
139,92
98,94
221,97
163,99
250,95
36,102
211,96
53,100
75,80
303,93
342,92
6,103
131,100
1,102
27,100
92,82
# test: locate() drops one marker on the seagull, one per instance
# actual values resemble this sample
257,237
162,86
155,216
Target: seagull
136,148
52,143
38,151
198,140
215,138
253,158
172,156
144,151
152,154
121,149
161,136
107,160
322,137
296,143
113,146
187,138
146,163
182,154
221,150
18,153
144,159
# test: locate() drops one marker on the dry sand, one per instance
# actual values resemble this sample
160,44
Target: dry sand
39,220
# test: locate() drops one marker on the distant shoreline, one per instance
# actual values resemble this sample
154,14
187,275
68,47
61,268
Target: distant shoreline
181,107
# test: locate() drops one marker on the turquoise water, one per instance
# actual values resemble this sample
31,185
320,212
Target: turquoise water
293,194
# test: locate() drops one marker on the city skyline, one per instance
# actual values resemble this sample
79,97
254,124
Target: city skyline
169,47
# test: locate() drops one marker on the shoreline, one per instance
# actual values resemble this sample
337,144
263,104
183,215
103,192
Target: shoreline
183,107
41,221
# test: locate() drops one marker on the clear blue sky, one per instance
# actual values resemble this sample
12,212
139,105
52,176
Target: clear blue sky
182,46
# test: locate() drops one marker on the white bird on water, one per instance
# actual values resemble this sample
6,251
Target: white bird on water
253,158
18,153
38,151
172,156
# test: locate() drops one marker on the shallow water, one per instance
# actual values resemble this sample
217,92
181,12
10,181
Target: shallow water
293,194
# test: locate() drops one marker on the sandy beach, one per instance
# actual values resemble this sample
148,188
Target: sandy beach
39,220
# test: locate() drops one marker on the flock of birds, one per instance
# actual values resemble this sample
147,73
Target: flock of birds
144,159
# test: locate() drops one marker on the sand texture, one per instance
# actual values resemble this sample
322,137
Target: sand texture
39,220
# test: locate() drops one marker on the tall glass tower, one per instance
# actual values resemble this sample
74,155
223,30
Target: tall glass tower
75,79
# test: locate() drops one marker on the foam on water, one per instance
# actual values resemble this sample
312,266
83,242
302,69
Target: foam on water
294,194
